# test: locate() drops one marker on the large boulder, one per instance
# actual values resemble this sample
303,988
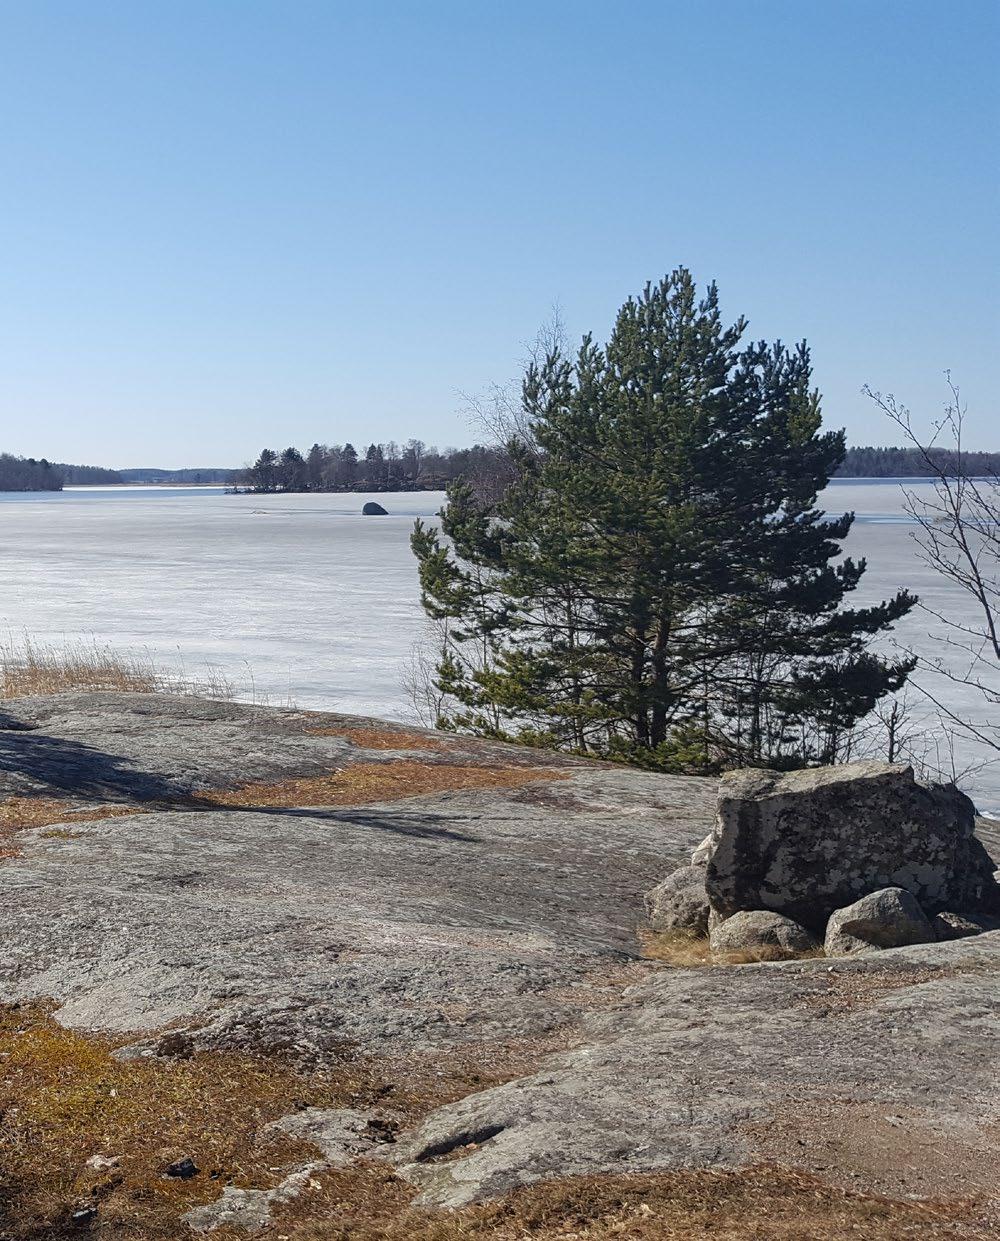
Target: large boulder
890,918
680,902
805,843
372,509
764,932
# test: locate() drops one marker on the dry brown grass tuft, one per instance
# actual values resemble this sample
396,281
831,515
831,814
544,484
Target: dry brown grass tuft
17,814
27,669
764,1202
379,738
686,951
369,782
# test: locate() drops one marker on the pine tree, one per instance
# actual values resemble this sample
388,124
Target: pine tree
292,471
263,474
315,462
657,583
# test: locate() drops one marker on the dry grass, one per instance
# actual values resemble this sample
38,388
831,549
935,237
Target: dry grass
370,782
64,1098
18,814
843,989
28,669
764,1202
686,951
353,786
379,738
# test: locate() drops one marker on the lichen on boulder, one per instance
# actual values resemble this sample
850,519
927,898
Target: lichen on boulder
806,843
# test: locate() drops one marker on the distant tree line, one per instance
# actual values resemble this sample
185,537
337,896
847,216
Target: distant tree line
82,475
412,466
38,474
916,463
27,474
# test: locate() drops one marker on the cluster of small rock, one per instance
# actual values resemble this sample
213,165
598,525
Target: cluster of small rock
852,859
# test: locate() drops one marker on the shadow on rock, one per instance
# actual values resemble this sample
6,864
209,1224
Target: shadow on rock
48,765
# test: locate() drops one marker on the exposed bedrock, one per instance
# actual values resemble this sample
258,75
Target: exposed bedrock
728,1065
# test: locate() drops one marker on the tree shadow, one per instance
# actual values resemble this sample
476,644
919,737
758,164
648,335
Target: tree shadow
425,825
71,767
54,765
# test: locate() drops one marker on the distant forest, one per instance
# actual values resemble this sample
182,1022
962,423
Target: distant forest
415,467
909,462
379,467
31,474
408,467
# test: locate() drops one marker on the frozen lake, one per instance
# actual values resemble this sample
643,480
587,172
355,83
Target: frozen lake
318,602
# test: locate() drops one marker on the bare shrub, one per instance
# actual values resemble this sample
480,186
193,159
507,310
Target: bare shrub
957,532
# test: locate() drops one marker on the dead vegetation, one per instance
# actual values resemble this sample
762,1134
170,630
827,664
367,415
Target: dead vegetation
371,782
354,785
379,738
686,951
764,1202
28,669
842,989
18,814
65,1098
31,669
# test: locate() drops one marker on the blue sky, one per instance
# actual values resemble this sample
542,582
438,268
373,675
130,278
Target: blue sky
226,224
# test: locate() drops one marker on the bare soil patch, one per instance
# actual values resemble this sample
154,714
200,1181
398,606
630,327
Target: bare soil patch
843,989
891,1150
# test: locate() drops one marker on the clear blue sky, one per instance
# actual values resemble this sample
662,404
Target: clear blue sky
231,223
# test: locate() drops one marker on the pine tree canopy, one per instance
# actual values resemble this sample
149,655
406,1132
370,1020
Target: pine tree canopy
657,583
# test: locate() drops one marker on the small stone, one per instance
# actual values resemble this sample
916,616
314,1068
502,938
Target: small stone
889,918
680,902
183,1168
103,1163
760,930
